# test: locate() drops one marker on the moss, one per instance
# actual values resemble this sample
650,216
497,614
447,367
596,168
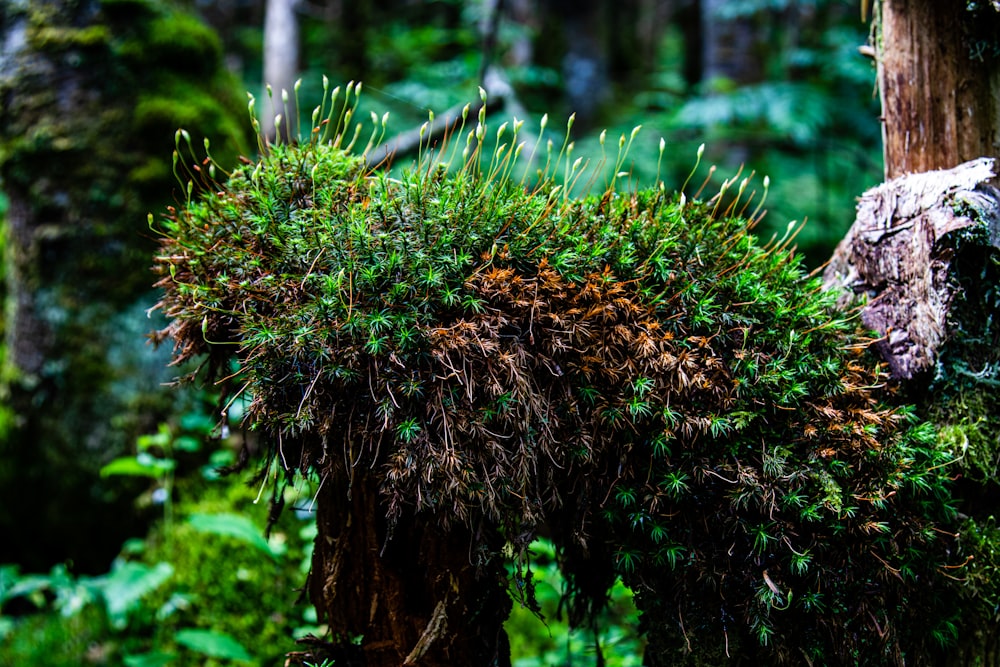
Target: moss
47,38
963,396
226,586
173,103
217,583
678,404
54,641
970,426
184,41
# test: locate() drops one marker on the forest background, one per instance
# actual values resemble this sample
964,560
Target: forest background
122,543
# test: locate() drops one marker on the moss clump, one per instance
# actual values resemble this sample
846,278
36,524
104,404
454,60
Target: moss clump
963,396
678,404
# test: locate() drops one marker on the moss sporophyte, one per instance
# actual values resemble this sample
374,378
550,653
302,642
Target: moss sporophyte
631,372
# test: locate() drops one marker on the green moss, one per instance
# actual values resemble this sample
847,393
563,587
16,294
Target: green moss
173,103
54,641
47,38
219,583
681,406
180,39
963,396
970,426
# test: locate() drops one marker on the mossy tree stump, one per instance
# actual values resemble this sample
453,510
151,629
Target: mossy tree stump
466,358
924,253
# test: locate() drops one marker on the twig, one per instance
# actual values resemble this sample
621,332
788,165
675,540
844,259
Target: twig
501,98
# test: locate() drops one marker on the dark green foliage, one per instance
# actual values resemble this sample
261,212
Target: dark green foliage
180,595
682,406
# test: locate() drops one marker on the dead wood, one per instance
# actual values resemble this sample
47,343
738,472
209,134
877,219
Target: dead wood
899,255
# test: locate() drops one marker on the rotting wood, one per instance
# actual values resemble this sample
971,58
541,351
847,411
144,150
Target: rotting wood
900,252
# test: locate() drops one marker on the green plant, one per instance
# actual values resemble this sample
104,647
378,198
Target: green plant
541,633
204,585
464,349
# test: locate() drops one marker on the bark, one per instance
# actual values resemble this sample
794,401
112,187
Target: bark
688,20
409,594
728,45
940,104
901,255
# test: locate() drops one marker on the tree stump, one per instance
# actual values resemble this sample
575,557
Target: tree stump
901,254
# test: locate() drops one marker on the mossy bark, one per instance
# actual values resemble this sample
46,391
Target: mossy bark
90,96
925,252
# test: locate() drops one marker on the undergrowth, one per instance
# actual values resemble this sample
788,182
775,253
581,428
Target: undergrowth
678,404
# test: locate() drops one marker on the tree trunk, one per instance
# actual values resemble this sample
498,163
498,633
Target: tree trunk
55,373
728,45
728,57
585,64
87,121
940,102
417,594
281,66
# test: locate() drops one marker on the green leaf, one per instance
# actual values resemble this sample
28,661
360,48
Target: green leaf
14,587
212,643
147,466
7,626
187,443
127,583
196,422
151,659
233,525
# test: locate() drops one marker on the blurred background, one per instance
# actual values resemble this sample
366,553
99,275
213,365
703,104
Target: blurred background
120,543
